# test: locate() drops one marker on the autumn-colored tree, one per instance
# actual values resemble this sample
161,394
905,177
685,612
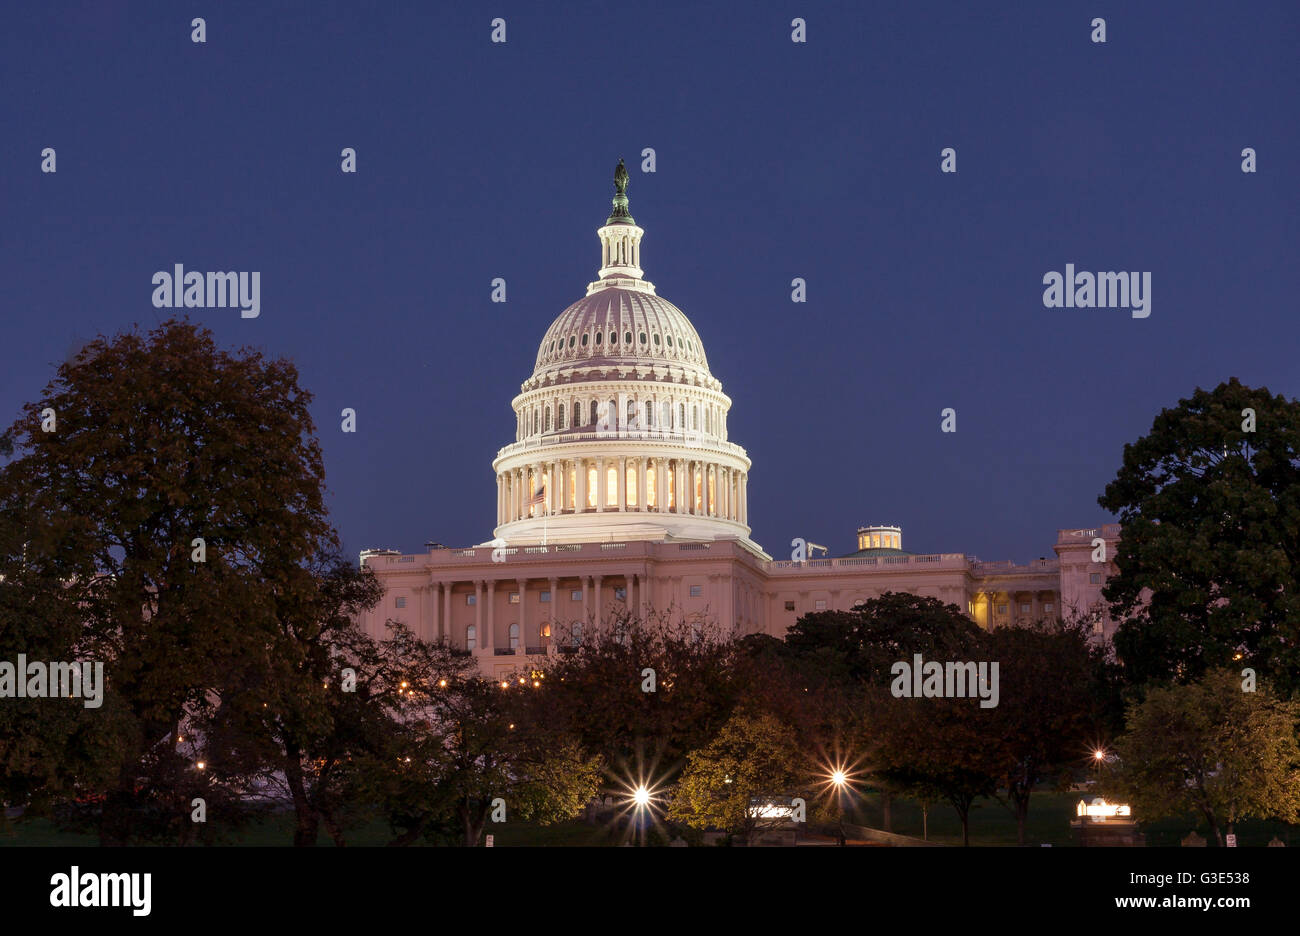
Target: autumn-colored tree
752,762
1213,749
642,692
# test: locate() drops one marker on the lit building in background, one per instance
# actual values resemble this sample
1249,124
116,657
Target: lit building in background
622,492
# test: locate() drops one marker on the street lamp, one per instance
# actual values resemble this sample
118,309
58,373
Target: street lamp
839,780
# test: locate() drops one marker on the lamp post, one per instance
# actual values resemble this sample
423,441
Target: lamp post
839,780
641,799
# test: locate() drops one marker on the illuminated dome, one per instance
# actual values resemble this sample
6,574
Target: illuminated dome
621,431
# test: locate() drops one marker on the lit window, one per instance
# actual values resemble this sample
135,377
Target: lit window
1096,627
575,595
546,596
789,605
471,599
1002,609
1024,609
401,602
697,591
471,638
514,597
821,604
1048,606
1094,578
620,594
514,636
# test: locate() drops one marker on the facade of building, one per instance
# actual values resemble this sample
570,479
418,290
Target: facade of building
622,492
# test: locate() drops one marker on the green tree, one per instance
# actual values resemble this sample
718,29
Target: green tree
753,760
1209,557
1212,749
139,446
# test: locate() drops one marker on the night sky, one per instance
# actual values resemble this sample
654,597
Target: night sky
774,160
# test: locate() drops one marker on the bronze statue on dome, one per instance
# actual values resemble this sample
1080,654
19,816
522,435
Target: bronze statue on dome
620,178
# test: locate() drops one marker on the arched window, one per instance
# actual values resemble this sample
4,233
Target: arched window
593,413
471,638
611,414
514,636
577,415
561,412
649,415
681,415
695,417
667,421
546,420
631,412
613,337
599,337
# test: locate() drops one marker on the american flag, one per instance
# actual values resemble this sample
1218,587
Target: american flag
539,497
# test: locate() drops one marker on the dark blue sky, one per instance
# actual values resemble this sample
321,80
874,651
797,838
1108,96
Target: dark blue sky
775,160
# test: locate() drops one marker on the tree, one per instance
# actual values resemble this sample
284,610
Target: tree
752,761
1212,749
1209,557
1057,690
845,656
934,748
599,691
500,749
139,448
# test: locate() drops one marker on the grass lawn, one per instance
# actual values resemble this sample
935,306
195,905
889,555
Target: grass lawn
991,824
1048,822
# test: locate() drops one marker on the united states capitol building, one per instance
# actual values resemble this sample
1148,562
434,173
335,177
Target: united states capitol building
622,491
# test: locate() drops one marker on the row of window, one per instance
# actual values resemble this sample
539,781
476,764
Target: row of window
620,594
599,337
639,414
820,605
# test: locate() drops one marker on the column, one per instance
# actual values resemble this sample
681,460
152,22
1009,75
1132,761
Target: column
487,637
599,607
435,619
446,614
622,483
600,485
551,619
641,486
586,603
659,486
743,504
523,615
579,485
478,611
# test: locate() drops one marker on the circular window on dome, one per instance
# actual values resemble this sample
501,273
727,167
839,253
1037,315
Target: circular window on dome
552,347
656,339
669,339
613,337
584,340
643,337
572,339
599,337
627,337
